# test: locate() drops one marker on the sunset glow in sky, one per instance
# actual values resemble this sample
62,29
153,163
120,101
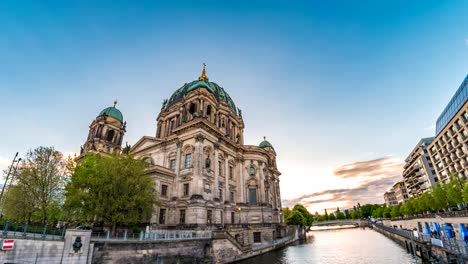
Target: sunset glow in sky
342,89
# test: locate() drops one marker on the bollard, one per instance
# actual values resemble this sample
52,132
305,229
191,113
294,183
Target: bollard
141,235
44,231
25,229
5,227
107,235
125,234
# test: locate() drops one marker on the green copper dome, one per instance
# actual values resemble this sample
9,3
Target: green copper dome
112,111
265,144
220,94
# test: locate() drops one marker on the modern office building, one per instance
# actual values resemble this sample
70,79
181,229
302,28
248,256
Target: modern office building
401,193
418,173
449,149
390,198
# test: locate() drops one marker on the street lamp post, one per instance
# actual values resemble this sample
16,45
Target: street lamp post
8,175
239,210
8,185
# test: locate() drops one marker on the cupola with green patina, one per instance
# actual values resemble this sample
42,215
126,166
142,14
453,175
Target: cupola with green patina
106,132
265,144
113,112
203,82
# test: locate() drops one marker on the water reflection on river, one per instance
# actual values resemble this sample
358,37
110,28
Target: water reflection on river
350,246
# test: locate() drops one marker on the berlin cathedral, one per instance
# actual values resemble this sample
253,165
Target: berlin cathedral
204,173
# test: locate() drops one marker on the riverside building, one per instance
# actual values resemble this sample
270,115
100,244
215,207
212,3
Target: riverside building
418,172
212,188
204,173
390,198
401,193
449,149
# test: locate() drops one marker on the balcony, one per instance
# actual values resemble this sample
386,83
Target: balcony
464,163
419,173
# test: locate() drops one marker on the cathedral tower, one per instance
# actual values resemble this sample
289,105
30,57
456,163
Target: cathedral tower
105,132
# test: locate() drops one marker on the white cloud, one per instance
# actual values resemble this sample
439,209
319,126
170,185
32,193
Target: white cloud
466,42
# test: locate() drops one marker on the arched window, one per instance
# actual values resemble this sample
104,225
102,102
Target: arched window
110,135
208,110
192,108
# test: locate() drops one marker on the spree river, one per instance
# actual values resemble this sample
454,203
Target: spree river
350,246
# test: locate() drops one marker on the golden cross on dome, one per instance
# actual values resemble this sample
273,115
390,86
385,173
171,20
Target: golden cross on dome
115,102
203,76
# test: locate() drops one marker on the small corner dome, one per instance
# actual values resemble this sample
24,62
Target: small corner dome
112,111
265,144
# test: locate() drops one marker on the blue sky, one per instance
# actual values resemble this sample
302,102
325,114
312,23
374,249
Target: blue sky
328,82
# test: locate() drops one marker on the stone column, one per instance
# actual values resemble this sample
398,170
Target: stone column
241,183
177,170
197,170
216,170
261,186
226,179
275,200
278,194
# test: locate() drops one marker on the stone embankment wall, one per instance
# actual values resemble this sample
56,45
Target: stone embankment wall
33,251
223,247
49,251
183,251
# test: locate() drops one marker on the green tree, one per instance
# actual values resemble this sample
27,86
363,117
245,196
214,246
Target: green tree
396,211
326,215
465,193
331,216
408,207
366,210
19,205
299,215
378,212
340,215
115,190
428,199
286,212
440,197
347,214
454,190
39,185
354,214
295,218
308,217
387,212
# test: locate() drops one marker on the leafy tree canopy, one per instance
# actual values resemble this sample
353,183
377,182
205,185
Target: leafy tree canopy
114,190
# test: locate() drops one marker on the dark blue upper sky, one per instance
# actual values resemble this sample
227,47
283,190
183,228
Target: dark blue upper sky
328,82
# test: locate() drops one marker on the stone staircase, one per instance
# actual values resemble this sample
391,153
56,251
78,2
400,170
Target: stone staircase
228,236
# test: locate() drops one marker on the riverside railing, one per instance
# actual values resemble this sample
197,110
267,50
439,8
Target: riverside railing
449,244
30,231
274,243
154,235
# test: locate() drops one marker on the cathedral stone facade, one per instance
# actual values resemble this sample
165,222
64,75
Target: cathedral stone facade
204,173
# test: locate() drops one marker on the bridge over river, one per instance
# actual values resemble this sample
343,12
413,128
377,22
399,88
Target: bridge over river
344,222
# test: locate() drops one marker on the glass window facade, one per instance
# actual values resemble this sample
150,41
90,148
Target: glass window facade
457,101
